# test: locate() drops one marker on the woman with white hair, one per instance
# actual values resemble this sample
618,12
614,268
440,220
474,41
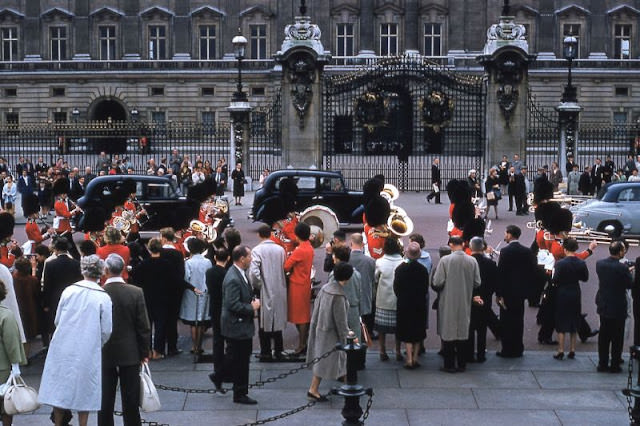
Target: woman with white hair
71,379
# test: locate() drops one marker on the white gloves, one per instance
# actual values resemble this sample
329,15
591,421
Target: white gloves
15,369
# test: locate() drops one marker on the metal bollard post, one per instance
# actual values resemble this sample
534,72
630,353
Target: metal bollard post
351,390
633,390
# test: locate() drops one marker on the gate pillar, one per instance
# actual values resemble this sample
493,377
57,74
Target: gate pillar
302,58
506,61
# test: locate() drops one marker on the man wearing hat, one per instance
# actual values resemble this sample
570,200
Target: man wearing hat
31,208
7,244
520,189
474,184
63,214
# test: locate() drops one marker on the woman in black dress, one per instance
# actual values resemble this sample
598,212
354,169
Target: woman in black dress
568,272
237,175
411,286
492,190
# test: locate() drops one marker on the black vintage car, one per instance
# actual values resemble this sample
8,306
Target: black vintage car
158,195
315,188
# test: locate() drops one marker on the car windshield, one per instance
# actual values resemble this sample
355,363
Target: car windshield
156,190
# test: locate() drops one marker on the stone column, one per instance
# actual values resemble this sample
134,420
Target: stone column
367,24
411,30
506,61
31,30
302,58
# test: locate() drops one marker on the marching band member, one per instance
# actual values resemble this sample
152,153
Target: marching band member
35,235
461,210
376,211
63,214
114,244
94,224
7,222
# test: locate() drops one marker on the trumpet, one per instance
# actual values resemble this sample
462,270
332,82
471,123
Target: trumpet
589,235
534,225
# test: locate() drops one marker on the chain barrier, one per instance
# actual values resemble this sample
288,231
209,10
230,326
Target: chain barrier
629,387
257,384
143,421
369,403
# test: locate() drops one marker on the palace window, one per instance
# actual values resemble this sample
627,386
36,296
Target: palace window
58,39
107,35
432,39
388,39
60,117
574,31
12,118
258,41
157,42
622,42
207,42
344,40
158,117
9,44
208,122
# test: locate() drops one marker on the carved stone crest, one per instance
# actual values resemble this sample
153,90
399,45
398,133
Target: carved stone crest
301,76
437,110
508,76
370,110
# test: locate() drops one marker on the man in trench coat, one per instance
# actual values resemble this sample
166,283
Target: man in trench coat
454,279
266,275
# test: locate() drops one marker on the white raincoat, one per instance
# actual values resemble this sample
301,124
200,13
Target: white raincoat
10,301
72,375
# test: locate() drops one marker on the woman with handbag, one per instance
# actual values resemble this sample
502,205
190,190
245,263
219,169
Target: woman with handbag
237,176
11,349
492,191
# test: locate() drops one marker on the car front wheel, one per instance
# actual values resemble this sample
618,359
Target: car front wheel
617,228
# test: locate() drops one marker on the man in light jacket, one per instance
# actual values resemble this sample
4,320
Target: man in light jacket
454,279
266,275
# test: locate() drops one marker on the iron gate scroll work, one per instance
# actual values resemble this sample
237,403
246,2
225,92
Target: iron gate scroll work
394,117
266,137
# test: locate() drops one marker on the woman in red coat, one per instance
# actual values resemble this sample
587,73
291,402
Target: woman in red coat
299,294
113,239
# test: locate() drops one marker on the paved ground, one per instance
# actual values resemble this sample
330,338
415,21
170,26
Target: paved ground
534,390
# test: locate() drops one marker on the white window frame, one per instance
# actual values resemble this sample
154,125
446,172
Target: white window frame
157,42
430,37
210,41
343,37
9,44
110,42
58,43
258,44
389,32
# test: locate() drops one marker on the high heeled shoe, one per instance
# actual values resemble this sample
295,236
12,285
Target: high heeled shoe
571,355
559,356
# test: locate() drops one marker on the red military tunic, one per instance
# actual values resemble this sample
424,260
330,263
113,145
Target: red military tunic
555,248
120,249
6,258
299,291
375,241
33,232
63,214
130,206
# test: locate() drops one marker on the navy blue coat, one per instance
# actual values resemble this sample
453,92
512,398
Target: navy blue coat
614,279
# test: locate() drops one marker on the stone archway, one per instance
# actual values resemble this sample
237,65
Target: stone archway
109,110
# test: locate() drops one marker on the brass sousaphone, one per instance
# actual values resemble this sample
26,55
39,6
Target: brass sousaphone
399,222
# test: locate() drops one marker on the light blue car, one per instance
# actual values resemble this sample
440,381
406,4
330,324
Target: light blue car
616,205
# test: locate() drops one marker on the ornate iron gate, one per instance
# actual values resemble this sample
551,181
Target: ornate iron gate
543,136
266,138
394,117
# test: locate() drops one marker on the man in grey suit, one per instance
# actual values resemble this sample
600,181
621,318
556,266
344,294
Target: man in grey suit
266,275
127,348
366,266
237,324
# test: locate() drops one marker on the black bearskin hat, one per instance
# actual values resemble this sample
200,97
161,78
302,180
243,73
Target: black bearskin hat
462,214
474,228
203,190
129,186
545,212
377,211
94,218
119,195
61,186
30,204
288,186
372,187
7,222
542,190
560,222
458,191
274,210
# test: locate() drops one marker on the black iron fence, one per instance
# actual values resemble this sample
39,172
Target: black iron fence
266,138
81,143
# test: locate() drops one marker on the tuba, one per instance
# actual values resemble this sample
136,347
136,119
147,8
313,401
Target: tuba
209,231
121,223
322,221
390,193
399,222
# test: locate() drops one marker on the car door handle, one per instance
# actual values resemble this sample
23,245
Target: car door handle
318,197
145,204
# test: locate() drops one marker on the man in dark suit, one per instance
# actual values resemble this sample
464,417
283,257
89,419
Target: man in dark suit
220,178
127,347
520,192
614,278
516,269
481,309
585,184
26,183
597,175
436,183
57,275
88,175
237,325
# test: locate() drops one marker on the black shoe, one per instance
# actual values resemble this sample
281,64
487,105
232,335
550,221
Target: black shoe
217,383
510,210
280,356
547,342
265,358
448,370
572,355
174,352
508,355
559,356
428,200
602,369
320,398
594,332
615,369
461,369
244,399
481,359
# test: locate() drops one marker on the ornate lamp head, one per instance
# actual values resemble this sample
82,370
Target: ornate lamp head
239,44
570,48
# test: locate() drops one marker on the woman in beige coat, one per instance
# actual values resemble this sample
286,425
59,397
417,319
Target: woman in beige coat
328,327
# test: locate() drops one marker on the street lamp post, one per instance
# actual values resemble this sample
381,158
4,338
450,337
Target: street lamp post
569,109
239,44
240,110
